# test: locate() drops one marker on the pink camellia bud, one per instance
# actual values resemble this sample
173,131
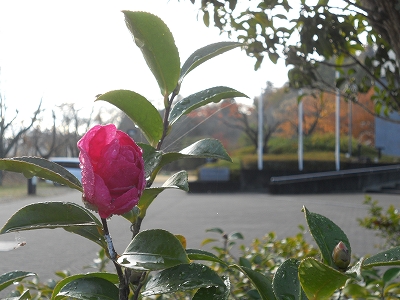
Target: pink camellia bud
341,256
112,169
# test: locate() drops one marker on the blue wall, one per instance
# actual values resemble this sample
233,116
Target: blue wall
387,135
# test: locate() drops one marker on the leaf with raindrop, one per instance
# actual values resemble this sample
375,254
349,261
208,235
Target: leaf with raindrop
89,286
42,168
262,283
190,103
183,277
154,249
389,257
205,53
286,283
157,44
139,110
326,234
320,281
9,278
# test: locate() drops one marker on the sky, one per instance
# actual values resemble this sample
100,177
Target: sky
70,51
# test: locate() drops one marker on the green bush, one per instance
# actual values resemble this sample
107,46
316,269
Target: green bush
385,223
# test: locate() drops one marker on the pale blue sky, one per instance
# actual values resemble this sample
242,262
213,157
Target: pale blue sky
70,51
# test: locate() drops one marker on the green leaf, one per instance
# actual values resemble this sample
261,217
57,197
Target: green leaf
340,81
203,54
206,148
140,110
154,249
93,233
24,296
389,257
326,234
390,275
35,166
9,278
318,280
109,277
88,287
286,281
262,283
177,181
196,254
69,216
214,292
235,236
190,103
157,44
183,277
151,158
49,215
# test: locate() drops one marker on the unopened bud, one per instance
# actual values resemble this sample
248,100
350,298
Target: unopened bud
341,256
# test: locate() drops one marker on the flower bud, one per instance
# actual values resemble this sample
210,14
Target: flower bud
113,176
341,256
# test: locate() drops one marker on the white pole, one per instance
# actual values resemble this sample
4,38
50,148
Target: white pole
300,141
350,127
260,132
337,127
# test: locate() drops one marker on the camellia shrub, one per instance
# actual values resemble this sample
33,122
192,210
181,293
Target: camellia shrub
117,178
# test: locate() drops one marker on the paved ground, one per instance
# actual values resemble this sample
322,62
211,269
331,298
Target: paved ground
253,214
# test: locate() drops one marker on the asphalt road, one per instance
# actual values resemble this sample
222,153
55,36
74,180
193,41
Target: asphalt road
252,214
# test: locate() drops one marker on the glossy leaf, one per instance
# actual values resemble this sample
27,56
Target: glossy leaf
318,280
93,233
235,236
139,110
177,181
109,277
157,44
151,158
390,275
214,292
154,249
206,148
183,277
24,296
87,288
389,257
260,282
43,168
326,234
49,215
9,278
205,53
196,254
286,283
190,103
69,216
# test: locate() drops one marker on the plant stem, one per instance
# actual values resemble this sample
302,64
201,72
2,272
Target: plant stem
123,282
168,105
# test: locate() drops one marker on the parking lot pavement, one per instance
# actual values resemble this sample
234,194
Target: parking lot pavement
252,214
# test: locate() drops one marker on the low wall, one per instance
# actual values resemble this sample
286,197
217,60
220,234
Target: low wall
354,180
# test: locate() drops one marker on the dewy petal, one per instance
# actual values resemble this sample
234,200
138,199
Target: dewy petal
100,140
126,202
87,174
112,170
101,198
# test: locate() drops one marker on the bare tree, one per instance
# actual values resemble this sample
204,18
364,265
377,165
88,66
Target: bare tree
10,134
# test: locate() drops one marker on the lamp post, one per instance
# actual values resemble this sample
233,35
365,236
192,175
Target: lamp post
260,131
300,133
337,127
